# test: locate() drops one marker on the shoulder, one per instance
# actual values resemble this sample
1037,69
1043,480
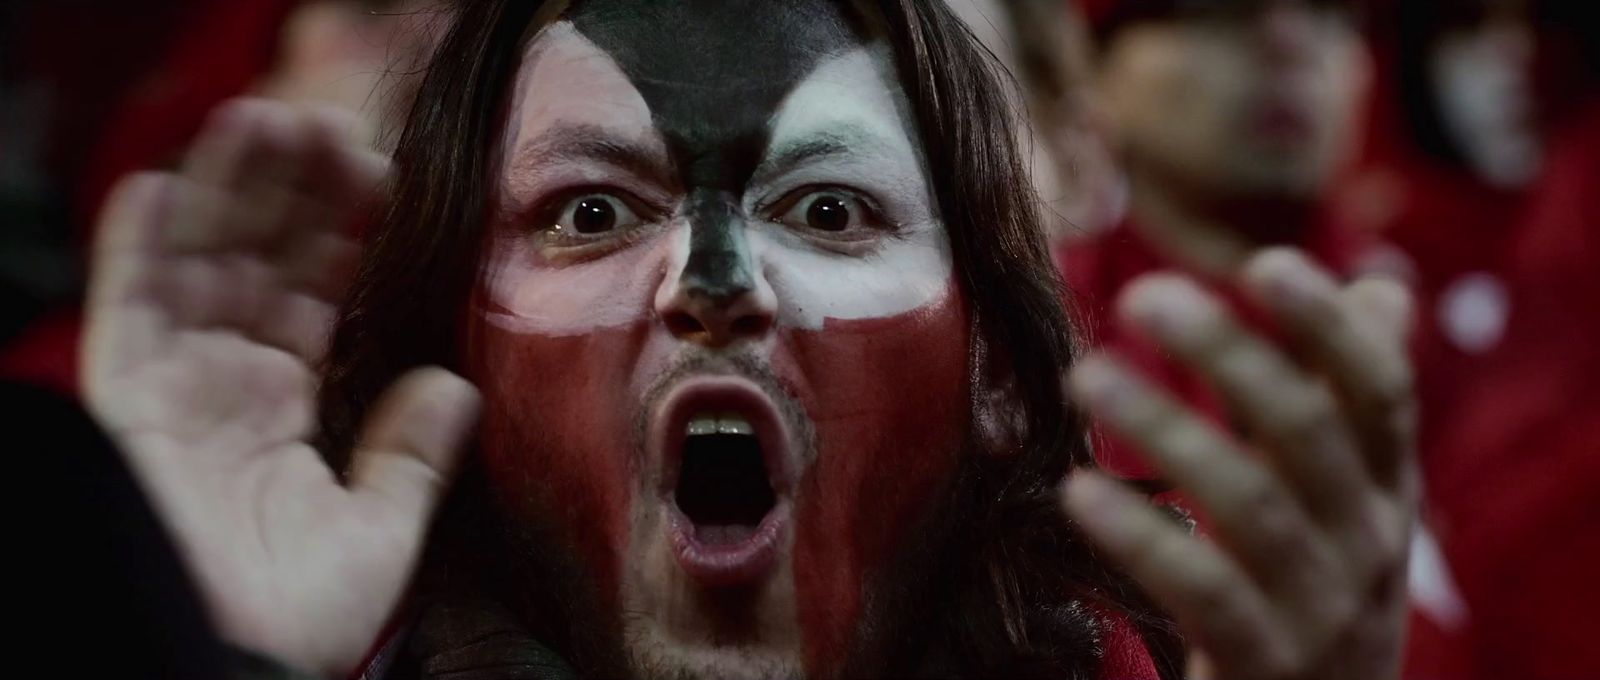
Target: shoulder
1126,656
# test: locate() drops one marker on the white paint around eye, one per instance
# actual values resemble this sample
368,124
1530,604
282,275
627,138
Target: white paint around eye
855,89
566,80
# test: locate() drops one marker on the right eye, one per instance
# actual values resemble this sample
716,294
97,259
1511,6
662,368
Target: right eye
592,214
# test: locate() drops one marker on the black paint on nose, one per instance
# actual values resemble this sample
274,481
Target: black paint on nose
718,268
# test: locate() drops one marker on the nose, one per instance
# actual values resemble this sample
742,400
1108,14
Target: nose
720,297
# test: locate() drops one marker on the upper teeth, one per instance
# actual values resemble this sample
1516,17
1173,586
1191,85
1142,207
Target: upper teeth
719,423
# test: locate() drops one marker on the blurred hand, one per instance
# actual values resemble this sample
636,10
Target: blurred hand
212,294
1310,503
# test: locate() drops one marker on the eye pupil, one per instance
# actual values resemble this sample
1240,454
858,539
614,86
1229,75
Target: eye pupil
828,213
593,216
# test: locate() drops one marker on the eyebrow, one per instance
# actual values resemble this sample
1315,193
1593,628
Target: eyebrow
585,142
844,140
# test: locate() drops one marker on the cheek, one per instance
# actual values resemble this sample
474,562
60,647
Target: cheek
550,450
523,292
889,400
557,434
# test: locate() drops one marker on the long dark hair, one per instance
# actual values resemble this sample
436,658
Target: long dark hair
1027,595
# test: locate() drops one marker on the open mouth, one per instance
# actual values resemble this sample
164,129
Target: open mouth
723,450
723,486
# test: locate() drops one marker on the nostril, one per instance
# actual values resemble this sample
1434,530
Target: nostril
751,325
683,324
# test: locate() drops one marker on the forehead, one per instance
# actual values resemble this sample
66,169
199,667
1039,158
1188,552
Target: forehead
725,58
706,79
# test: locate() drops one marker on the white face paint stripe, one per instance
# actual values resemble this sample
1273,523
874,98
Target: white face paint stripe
566,80
858,90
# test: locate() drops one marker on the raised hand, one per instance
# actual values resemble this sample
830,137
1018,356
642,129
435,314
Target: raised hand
213,291
1310,502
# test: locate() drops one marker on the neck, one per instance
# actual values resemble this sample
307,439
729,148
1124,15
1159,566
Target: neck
1214,235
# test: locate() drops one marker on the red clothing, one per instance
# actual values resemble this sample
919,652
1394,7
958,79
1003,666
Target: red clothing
1126,657
46,354
1519,501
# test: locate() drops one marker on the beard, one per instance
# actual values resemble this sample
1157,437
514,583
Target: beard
505,593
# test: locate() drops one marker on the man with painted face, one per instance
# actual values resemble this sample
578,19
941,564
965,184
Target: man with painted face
769,346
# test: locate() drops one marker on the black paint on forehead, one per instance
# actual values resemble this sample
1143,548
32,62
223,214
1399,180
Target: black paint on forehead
714,72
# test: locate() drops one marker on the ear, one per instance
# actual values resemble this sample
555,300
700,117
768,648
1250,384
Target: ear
998,423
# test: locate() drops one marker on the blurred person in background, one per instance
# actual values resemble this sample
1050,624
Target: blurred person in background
1229,120
1452,144
1483,104
1515,464
1044,44
360,56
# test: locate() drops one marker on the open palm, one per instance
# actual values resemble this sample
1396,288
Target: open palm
213,291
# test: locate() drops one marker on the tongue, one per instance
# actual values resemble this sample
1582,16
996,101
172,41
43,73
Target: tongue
725,534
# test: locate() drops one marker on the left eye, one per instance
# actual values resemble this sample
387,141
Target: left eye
829,211
595,214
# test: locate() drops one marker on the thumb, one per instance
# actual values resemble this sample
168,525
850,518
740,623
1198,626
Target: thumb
412,442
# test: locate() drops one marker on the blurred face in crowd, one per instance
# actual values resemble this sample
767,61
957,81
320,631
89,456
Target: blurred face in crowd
721,346
1236,98
1481,67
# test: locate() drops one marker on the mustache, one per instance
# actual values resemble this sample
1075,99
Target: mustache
743,363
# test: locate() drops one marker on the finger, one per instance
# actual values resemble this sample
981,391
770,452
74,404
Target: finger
214,156
410,446
1209,596
347,171
1368,368
243,148
342,184
122,327
1306,438
1250,509
1383,306
128,238
266,194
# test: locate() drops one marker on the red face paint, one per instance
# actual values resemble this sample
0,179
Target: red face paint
557,436
886,398
890,403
